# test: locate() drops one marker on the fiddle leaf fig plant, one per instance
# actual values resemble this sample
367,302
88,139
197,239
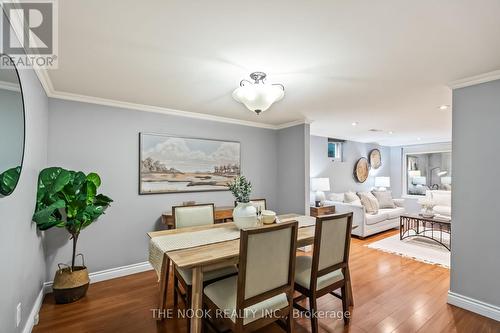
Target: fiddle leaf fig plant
68,199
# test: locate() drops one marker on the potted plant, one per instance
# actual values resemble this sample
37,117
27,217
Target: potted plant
244,214
68,199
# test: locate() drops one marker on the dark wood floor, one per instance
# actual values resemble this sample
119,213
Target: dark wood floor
391,293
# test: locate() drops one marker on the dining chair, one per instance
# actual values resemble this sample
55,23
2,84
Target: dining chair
262,292
328,268
192,216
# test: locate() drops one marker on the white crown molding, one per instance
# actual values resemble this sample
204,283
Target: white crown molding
473,80
473,305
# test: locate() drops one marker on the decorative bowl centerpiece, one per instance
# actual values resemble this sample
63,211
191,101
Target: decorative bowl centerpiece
427,207
245,213
268,216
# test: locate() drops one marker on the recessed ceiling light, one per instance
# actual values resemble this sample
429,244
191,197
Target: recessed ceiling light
419,139
354,123
391,132
444,107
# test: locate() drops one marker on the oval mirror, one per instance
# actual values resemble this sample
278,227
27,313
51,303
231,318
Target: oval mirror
11,126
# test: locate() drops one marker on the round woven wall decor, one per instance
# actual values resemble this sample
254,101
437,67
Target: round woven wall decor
375,158
361,170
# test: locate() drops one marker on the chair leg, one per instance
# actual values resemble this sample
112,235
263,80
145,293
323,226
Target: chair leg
289,322
313,308
188,306
345,303
176,292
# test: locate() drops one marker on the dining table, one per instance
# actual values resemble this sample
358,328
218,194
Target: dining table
205,258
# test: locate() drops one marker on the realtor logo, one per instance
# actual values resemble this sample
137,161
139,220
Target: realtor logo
29,32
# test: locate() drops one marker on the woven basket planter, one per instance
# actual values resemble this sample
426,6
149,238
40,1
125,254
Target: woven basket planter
70,285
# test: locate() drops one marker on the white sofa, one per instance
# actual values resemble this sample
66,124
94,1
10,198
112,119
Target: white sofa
442,199
369,224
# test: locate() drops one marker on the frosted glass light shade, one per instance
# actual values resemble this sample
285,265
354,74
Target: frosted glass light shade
382,181
258,97
320,184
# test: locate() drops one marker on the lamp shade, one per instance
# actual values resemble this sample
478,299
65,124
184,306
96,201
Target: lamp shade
446,180
414,173
320,184
382,181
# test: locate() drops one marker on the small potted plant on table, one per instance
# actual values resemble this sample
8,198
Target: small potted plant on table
244,214
68,199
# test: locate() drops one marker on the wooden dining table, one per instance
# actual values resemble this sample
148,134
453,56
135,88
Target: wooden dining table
205,258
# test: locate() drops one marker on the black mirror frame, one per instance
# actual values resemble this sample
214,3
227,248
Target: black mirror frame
3,195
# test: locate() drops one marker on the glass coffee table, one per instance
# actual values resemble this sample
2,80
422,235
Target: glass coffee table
416,225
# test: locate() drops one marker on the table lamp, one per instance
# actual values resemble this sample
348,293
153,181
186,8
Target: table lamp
318,186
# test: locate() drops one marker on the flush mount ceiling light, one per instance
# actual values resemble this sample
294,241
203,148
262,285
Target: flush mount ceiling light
444,107
258,96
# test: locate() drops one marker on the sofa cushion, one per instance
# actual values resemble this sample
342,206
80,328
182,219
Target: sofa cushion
376,218
393,212
384,199
350,197
442,210
369,202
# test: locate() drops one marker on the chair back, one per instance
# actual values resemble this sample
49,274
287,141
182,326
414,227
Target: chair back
267,263
332,241
193,215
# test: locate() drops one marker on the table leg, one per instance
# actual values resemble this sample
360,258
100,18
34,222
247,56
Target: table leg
165,271
197,299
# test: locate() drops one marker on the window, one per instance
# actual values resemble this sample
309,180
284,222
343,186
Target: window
428,171
335,150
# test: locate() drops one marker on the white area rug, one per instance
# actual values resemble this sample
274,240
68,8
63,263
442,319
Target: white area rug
416,248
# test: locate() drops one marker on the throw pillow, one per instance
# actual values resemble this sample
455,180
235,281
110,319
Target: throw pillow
384,199
356,203
350,197
339,197
369,201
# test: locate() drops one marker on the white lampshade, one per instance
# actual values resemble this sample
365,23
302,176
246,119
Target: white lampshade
320,184
382,181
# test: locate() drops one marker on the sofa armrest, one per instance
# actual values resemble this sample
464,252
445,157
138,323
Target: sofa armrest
358,212
399,202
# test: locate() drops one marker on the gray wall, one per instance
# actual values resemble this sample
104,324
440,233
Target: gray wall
341,173
475,269
23,267
293,166
104,139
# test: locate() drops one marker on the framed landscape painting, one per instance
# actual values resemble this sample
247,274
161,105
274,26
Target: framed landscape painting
169,164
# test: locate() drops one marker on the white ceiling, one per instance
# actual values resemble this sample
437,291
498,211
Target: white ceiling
385,64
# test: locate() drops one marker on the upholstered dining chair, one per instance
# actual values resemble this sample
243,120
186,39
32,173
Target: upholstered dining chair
193,216
328,268
263,290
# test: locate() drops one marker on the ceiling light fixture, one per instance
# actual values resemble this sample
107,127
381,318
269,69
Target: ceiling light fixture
258,96
391,132
444,107
355,123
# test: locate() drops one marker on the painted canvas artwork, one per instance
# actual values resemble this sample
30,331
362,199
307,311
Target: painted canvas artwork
173,164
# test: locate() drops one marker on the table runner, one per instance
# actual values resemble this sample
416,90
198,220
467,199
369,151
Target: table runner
304,221
161,244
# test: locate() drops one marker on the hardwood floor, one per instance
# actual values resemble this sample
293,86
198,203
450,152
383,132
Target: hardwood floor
391,294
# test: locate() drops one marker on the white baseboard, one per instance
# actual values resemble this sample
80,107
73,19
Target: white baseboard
473,305
111,273
32,318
